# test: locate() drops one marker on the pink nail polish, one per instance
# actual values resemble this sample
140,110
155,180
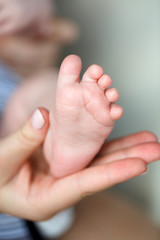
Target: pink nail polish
37,120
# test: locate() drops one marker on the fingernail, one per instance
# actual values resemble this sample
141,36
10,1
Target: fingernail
37,120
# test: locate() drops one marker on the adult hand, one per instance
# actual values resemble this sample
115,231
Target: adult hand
31,192
18,15
142,145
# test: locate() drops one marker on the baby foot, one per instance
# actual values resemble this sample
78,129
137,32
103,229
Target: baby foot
82,118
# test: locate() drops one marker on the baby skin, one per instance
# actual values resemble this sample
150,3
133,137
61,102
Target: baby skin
82,118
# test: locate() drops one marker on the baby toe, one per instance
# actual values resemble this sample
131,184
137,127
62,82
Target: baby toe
93,73
105,81
112,94
116,111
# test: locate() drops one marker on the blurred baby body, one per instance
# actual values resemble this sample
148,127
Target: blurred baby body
35,60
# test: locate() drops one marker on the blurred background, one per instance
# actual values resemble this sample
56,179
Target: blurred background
124,37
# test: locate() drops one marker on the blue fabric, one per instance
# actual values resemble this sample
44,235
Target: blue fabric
12,228
8,83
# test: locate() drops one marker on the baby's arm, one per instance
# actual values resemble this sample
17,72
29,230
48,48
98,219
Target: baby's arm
19,15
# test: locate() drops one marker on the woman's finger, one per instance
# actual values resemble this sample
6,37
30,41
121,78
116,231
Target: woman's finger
147,151
15,149
128,141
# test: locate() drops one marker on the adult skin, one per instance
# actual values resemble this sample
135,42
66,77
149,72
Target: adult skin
28,190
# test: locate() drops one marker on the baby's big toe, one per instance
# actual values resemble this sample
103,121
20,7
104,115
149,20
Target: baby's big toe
70,69
93,73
